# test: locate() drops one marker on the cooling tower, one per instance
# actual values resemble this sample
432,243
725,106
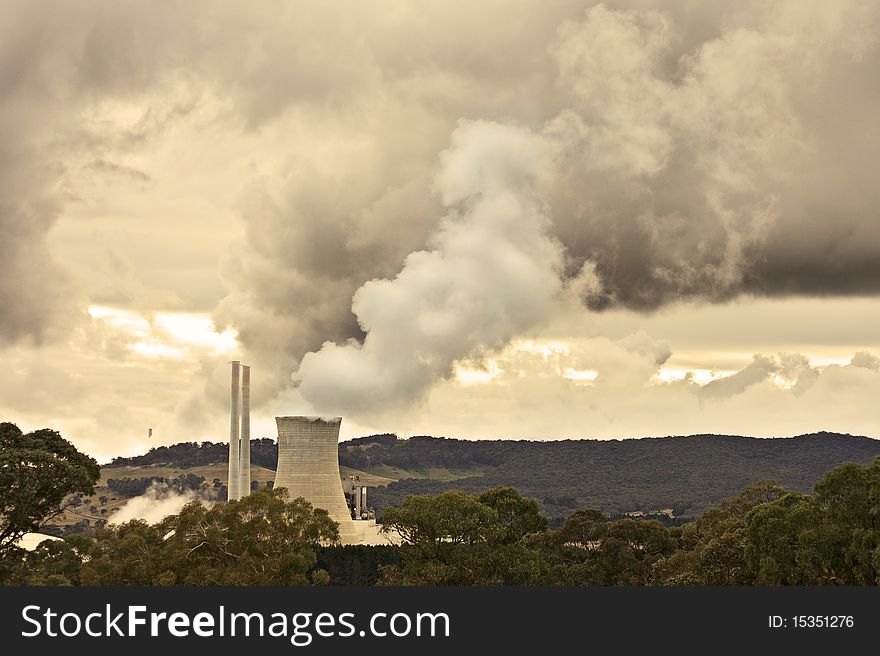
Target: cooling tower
308,466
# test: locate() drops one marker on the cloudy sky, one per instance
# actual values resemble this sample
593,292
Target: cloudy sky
532,219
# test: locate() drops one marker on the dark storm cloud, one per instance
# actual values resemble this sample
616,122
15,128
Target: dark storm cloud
700,155
748,170
56,60
696,180
699,151
32,290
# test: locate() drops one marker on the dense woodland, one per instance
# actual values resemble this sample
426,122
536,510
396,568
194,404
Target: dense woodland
764,535
686,474
264,452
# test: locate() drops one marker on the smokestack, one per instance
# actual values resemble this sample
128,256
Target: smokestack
234,419
245,459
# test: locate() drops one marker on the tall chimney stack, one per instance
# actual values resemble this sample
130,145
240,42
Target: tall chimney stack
245,456
234,420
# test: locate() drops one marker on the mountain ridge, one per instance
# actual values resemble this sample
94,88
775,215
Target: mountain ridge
686,473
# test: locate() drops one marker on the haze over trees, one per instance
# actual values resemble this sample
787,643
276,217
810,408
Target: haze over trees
262,539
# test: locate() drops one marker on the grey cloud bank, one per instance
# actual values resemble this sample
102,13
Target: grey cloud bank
387,193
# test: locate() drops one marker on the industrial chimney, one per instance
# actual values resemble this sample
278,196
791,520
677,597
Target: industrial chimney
239,484
234,440
244,474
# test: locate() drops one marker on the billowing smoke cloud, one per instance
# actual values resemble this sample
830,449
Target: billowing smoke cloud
679,174
730,165
792,370
491,274
153,506
866,361
62,68
698,151
32,289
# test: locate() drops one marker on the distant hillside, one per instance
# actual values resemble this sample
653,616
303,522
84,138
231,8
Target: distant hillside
686,474
264,453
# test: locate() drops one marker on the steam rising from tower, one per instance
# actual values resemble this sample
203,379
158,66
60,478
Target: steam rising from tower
239,484
308,463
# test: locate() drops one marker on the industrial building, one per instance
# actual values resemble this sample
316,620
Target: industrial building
308,465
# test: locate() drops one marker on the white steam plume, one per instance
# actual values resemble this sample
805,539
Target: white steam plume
491,274
152,506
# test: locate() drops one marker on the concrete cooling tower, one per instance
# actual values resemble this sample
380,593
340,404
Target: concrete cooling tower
308,466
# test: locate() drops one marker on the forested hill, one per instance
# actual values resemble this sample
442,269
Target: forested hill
686,474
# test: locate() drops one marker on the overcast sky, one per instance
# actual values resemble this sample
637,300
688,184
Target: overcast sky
536,219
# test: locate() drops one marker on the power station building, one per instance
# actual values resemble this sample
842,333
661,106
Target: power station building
308,465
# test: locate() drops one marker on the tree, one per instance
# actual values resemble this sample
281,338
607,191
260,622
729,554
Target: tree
56,562
515,516
37,471
711,550
130,554
436,525
628,548
261,539
590,549
772,540
456,538
842,539
356,564
582,528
